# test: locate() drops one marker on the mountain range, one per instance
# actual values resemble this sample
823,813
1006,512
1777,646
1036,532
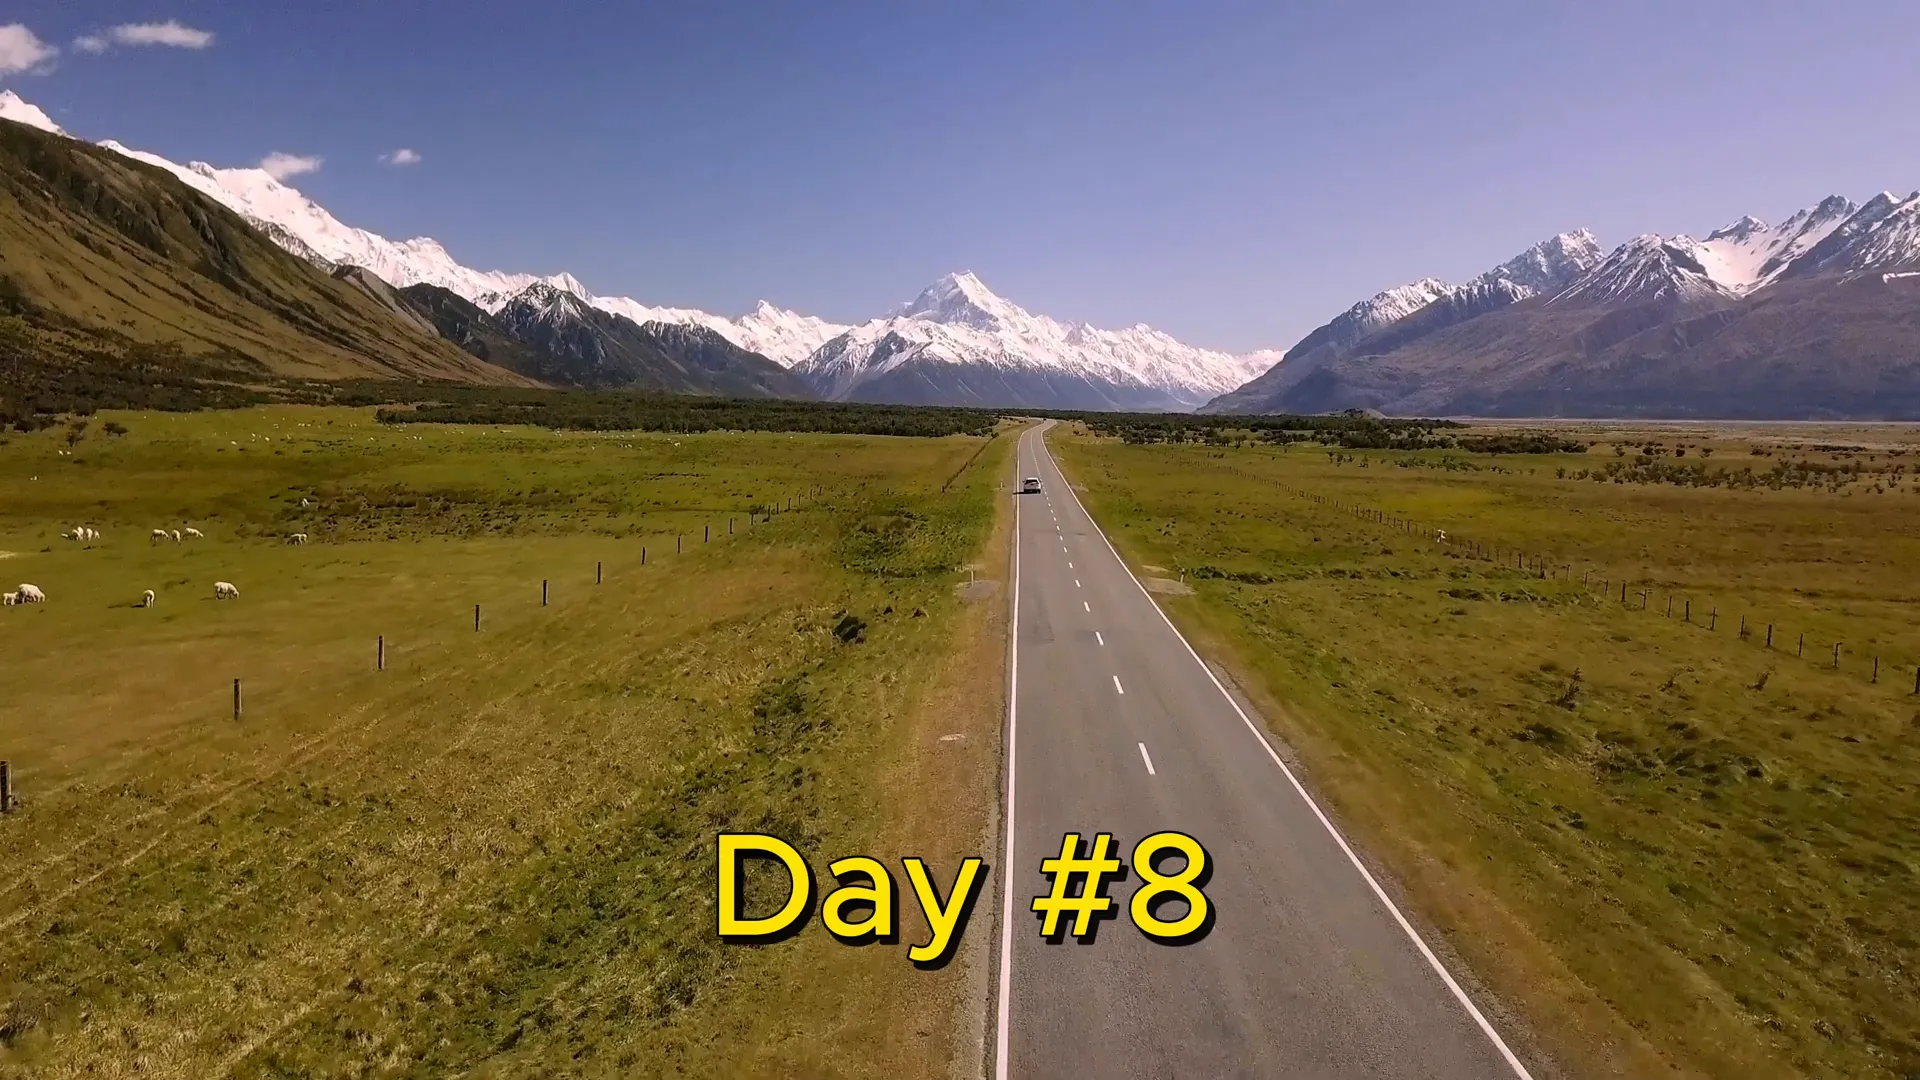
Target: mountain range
957,343
1818,316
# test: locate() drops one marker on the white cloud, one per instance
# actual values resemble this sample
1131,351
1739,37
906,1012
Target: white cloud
170,33
21,51
281,166
402,156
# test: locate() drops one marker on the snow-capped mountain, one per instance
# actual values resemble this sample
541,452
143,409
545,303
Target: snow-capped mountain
22,112
1750,254
958,342
308,230
1647,269
1411,311
1881,236
1548,266
957,322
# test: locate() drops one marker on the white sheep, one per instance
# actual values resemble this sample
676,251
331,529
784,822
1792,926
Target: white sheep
146,598
1440,535
158,535
176,535
29,594
92,534
297,538
195,534
224,590
303,503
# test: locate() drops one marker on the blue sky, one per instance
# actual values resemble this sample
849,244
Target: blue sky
1233,173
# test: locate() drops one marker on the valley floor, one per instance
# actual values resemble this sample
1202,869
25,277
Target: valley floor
1676,849
495,856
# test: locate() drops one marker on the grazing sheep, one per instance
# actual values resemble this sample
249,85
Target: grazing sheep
1440,535
196,534
176,536
146,598
297,538
9,599
92,534
224,590
303,503
158,535
29,594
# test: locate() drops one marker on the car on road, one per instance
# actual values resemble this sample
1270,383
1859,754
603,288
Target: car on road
1031,486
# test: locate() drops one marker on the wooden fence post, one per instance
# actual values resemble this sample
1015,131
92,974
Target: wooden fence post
476,618
1876,669
1916,679
380,653
729,526
1689,610
597,567
1623,592
236,699
1713,619
1769,635
1802,649
676,543
6,787
643,554
706,533
1836,656
543,592
1669,605
1743,628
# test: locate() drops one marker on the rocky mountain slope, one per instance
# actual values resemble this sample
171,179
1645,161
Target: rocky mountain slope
101,253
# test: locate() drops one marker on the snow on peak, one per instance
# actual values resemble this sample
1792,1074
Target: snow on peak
1740,231
1548,266
20,111
957,320
1650,268
1750,254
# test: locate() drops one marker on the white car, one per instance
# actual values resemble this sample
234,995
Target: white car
1031,486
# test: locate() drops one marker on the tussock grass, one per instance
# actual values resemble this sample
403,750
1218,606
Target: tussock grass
1681,851
494,857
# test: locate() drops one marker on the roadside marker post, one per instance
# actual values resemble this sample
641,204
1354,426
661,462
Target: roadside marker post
236,699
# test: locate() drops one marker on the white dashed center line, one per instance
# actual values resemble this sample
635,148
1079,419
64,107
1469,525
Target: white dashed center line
1088,606
1098,638
1117,688
1076,583
1148,759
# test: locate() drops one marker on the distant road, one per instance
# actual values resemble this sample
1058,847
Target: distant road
1117,726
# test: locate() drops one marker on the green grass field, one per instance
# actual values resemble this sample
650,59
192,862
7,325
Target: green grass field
495,856
1679,851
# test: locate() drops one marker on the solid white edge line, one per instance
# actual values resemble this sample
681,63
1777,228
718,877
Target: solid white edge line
1146,758
1413,935
1117,688
1001,1034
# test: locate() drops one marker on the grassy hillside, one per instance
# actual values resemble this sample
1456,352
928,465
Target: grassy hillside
495,857
101,254
1690,853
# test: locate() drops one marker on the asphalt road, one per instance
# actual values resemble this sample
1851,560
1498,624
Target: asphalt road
1116,726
